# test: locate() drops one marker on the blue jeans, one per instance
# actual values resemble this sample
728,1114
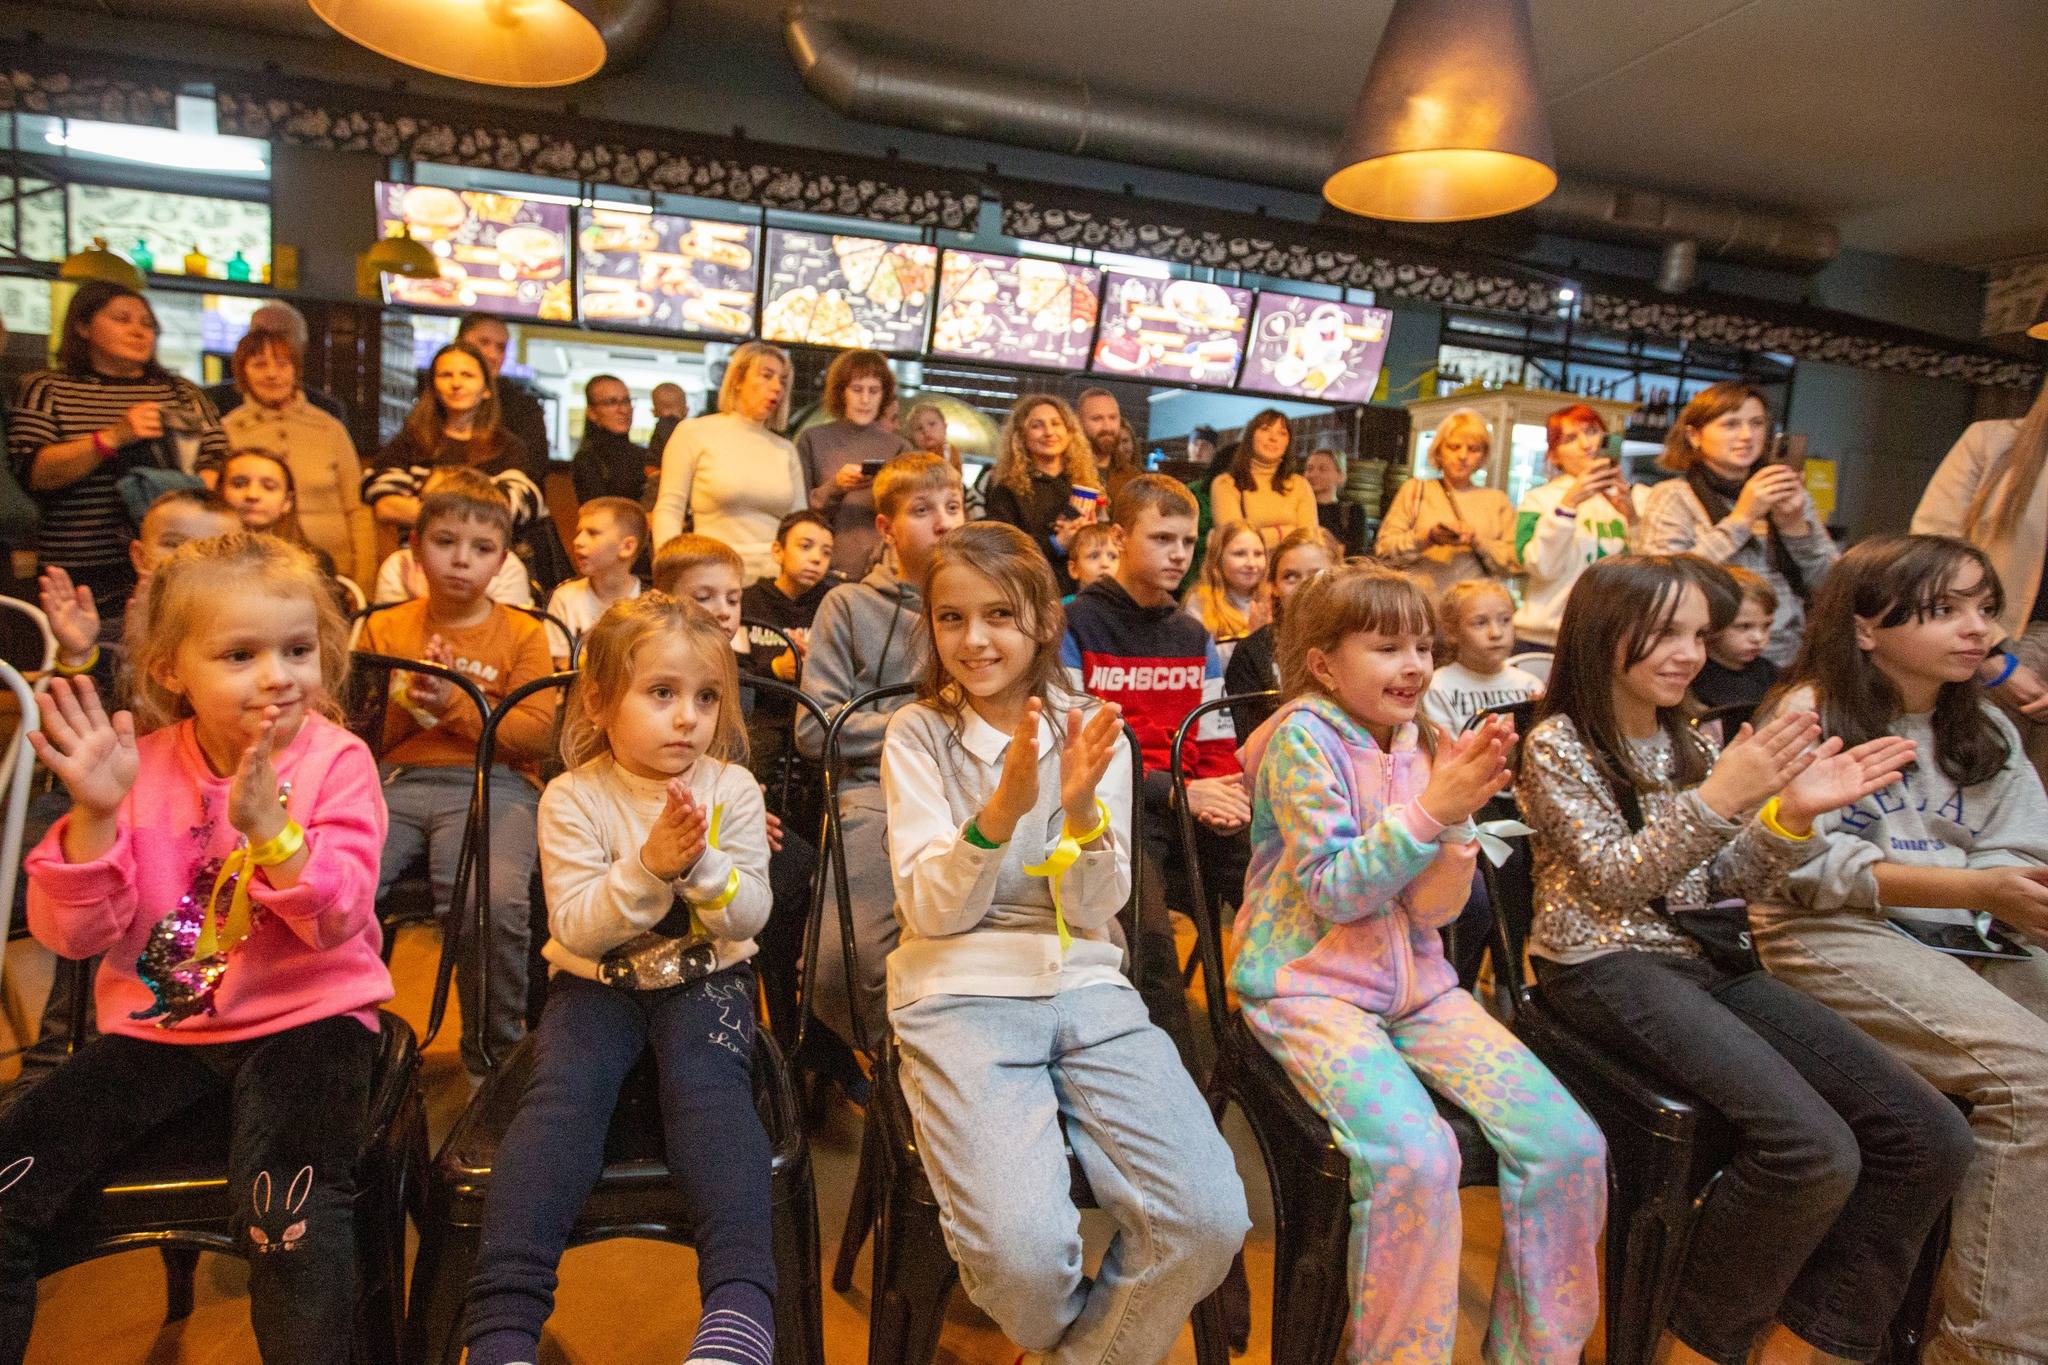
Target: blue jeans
993,1083
429,810
590,1036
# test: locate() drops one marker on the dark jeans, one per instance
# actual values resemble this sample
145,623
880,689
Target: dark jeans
1843,1161
299,1102
702,1035
1223,859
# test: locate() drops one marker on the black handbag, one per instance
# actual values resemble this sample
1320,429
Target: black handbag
1721,930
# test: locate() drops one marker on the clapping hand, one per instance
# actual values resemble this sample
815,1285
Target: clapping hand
74,616
678,837
1469,771
91,754
1757,764
1084,758
253,807
1835,778
1017,789
427,692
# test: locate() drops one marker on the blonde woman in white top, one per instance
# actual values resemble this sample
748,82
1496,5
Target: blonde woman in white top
1446,530
731,475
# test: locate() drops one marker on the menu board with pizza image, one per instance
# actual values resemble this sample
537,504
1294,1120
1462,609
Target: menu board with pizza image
1015,311
1179,331
499,253
1316,348
833,290
673,274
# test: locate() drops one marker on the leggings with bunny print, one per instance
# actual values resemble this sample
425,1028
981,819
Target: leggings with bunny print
1365,1075
297,1104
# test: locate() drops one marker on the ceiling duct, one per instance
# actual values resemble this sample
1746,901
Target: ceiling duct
629,27
901,90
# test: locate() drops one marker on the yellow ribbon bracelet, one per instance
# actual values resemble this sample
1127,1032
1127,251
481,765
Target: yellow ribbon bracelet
1064,855
1768,818
241,865
732,879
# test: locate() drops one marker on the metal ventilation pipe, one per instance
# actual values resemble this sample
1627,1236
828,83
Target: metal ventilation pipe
879,86
629,27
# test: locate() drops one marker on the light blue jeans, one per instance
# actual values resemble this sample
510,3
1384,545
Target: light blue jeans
992,1084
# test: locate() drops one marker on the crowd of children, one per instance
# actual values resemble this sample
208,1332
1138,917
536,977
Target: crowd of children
1818,920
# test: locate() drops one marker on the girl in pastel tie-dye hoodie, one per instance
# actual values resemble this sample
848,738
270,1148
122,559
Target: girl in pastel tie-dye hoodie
1361,849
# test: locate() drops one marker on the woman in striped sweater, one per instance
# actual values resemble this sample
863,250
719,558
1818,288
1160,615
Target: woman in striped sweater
107,407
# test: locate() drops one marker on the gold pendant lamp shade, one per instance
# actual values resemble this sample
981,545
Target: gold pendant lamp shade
526,43
1450,125
98,263
2039,331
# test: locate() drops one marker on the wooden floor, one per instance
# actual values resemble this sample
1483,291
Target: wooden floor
619,1301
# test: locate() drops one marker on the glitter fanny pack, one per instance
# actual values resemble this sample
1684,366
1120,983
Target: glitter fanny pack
655,961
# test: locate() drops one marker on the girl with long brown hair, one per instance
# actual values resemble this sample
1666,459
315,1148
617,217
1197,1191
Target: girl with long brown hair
1892,643
1647,839
1009,811
1042,458
1264,485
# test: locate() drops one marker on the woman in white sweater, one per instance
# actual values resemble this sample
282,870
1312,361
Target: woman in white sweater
1582,515
731,476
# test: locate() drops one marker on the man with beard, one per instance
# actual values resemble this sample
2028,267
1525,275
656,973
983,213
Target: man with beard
1116,449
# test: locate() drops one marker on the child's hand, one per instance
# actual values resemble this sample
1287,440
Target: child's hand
2017,896
1835,779
677,840
1017,789
784,666
1221,803
93,757
1084,758
74,616
1261,613
429,693
1469,771
253,807
800,636
1757,764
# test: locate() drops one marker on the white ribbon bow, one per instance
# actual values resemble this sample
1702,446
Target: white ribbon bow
1492,837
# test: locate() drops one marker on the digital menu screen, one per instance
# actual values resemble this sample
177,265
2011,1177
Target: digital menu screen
1015,311
831,290
1316,348
673,274
1178,331
499,253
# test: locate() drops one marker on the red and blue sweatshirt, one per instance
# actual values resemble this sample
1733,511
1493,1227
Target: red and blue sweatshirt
1158,664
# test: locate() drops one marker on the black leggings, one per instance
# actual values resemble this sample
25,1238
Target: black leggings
299,1101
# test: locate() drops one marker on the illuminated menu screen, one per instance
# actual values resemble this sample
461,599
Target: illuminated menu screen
672,274
1178,331
832,290
1014,311
1316,348
499,253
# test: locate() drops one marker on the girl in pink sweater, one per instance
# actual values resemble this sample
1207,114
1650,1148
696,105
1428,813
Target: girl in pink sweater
225,862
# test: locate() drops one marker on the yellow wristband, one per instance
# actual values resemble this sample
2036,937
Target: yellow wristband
1100,827
1768,818
92,661
279,847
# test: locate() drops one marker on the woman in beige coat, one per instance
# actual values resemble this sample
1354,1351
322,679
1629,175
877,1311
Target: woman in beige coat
278,419
1989,491
1444,531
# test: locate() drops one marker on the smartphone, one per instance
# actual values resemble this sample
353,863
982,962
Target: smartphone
870,468
1610,448
1791,452
1960,940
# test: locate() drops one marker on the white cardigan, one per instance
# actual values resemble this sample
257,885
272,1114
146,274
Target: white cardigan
735,480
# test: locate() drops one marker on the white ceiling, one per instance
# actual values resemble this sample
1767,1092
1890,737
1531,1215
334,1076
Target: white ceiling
1919,127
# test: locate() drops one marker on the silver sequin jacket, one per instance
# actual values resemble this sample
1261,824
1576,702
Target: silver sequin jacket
1595,878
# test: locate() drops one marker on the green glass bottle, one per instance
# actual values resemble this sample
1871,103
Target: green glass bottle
144,259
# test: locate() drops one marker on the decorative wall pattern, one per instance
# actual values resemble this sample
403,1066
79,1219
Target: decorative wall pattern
1294,251
114,99
349,120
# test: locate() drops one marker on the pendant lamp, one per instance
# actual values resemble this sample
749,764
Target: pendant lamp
2039,331
1450,125
98,263
397,254
525,43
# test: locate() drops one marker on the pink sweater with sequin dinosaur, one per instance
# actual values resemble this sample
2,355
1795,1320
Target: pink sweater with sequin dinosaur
312,952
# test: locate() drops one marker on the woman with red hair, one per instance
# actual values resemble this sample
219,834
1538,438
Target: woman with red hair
1582,515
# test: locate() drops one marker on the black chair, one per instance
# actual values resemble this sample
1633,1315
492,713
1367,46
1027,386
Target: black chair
1309,1175
173,1193
914,1274
555,622
633,1196
1729,718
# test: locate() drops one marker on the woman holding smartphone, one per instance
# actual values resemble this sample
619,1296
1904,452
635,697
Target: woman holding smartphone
841,457
1044,481
1734,504
1584,514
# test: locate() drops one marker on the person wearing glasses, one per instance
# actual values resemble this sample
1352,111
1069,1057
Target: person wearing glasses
608,464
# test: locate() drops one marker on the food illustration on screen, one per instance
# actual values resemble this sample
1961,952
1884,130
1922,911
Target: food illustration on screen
1316,348
827,290
1182,331
1017,312
498,253
676,274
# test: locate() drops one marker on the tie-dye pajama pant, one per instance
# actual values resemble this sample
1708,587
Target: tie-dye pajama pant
1365,1074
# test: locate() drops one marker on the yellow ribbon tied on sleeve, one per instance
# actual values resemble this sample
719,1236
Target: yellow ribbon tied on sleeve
1064,855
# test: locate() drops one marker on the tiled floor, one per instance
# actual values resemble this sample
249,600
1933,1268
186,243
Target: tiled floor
624,1301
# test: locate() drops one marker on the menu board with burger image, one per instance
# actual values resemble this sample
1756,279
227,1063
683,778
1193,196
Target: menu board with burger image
1016,311
832,290
1180,331
499,253
660,271
1316,348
